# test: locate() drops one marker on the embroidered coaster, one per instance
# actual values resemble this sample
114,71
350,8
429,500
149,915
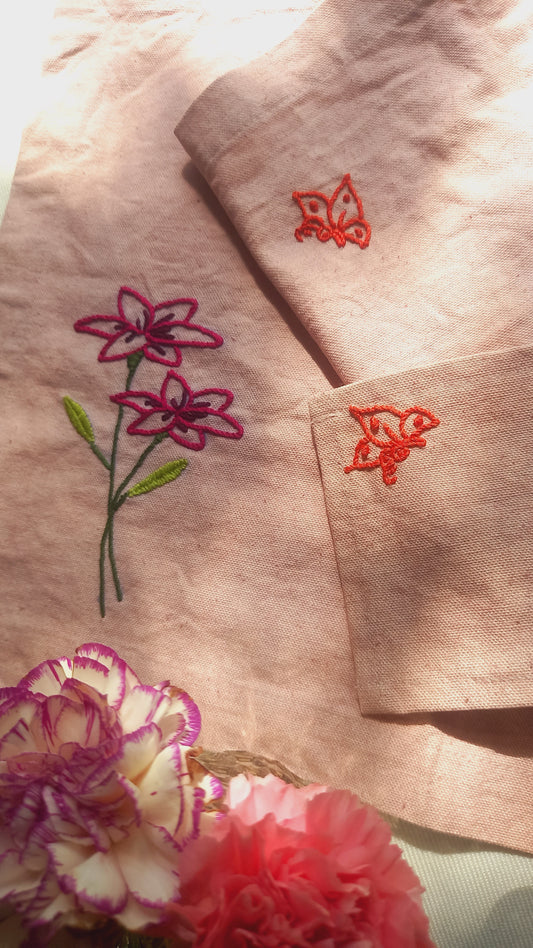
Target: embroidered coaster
432,528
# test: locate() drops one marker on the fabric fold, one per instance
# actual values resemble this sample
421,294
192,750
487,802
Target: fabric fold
425,478
378,165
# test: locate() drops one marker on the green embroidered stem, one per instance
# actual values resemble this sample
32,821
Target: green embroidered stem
112,561
153,444
101,457
101,568
117,500
107,539
108,534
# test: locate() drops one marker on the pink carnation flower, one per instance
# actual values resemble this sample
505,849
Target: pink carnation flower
98,796
290,867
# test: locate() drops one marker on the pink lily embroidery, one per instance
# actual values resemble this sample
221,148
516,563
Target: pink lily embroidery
389,435
158,332
182,414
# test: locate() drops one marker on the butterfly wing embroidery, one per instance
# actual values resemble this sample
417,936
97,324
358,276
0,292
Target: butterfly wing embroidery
346,216
314,208
339,217
388,436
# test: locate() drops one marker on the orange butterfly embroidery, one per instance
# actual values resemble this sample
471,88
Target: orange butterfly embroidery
385,446
340,216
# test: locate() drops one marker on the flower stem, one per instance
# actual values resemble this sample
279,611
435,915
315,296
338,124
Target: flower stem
108,534
153,444
101,566
101,457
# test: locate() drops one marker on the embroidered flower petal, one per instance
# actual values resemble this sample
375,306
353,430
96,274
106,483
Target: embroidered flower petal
194,438
170,321
152,423
166,354
107,327
121,346
143,402
220,423
216,399
135,308
175,391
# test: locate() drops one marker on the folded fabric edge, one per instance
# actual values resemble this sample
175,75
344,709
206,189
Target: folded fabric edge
333,401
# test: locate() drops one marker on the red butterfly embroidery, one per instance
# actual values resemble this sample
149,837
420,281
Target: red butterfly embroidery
382,445
340,216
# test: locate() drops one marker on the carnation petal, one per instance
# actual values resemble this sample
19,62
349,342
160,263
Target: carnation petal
97,879
161,789
139,750
91,672
22,709
15,877
64,721
181,719
63,904
212,787
9,695
92,792
142,706
121,677
46,679
153,888
136,916
18,740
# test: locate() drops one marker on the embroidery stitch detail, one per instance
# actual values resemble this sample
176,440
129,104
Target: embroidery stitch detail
154,331
178,409
327,218
396,446
178,412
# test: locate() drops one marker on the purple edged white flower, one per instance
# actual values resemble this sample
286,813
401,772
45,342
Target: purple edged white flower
98,795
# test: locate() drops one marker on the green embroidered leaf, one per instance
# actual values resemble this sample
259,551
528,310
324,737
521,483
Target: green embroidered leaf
163,475
78,419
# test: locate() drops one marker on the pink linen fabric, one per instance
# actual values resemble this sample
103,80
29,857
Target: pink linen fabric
436,567
231,587
428,107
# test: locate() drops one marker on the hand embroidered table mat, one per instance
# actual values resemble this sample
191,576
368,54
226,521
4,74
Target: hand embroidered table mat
227,571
